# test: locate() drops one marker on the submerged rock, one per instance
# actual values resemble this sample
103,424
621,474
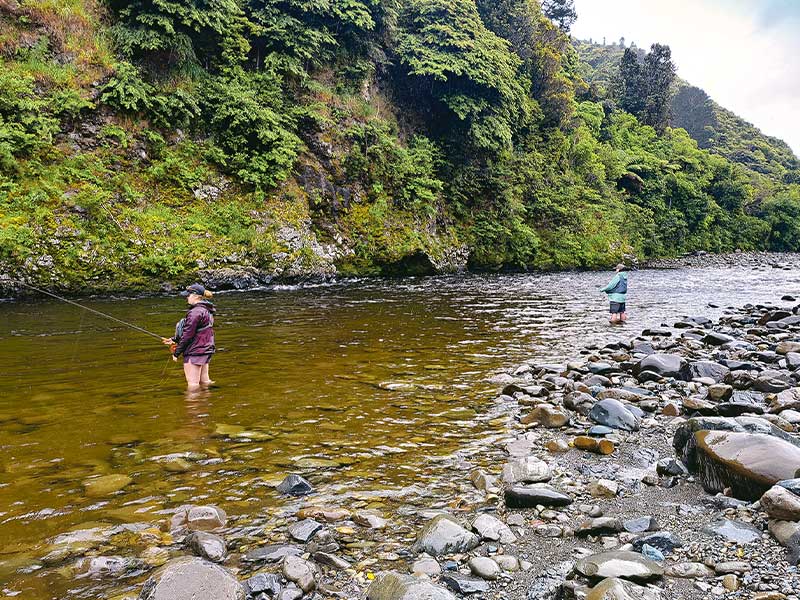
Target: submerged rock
445,535
105,485
621,564
749,464
199,518
294,485
395,586
190,578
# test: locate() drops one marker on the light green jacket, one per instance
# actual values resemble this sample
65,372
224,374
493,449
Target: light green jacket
612,284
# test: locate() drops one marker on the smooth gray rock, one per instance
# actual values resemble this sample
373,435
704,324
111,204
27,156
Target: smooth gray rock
295,485
465,584
191,578
304,530
273,553
530,497
395,586
445,535
529,469
493,529
781,504
207,545
484,567
612,413
734,531
301,572
620,564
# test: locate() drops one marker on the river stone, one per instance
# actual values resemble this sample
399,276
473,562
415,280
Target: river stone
301,572
426,566
781,504
747,463
622,564
793,485
620,394
734,531
493,529
444,535
613,413
599,526
508,563
272,554
715,338
484,567
371,519
640,525
263,583
665,365
98,567
619,589
786,346
465,584
526,470
546,416
532,496
191,578
304,530
207,545
709,369
395,586
603,488
720,392
199,518
689,570
105,485
785,400
294,485
662,540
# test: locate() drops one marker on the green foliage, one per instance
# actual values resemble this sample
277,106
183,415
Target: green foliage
562,12
249,121
645,89
463,72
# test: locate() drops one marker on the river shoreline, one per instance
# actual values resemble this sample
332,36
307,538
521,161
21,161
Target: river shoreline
598,492
233,282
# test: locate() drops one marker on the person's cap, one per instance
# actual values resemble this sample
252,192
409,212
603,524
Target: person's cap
195,288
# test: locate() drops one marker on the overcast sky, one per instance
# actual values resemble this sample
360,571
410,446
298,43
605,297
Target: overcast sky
744,53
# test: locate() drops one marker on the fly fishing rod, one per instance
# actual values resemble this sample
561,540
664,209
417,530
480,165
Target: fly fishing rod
97,312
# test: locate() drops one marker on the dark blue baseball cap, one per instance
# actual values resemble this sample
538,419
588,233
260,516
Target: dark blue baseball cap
195,288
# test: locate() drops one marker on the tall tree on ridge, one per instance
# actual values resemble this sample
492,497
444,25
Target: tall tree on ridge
561,12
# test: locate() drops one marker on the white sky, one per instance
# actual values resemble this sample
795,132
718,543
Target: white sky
744,53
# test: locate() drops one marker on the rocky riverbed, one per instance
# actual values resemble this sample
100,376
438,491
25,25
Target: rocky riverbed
665,467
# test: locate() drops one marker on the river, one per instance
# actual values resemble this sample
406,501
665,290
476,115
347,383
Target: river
368,388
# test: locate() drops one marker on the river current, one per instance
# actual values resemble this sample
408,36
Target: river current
365,387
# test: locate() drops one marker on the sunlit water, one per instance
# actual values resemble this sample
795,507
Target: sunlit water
384,378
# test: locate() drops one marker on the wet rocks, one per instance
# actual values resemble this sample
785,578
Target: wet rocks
304,530
614,414
199,518
395,586
263,583
207,545
532,496
664,541
620,564
526,470
190,578
706,369
370,519
444,535
272,554
465,584
295,485
781,504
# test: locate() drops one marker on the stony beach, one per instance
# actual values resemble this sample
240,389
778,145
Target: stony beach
661,467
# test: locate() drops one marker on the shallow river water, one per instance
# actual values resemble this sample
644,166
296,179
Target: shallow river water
364,387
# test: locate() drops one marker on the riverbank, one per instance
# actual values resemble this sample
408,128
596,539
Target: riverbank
235,278
585,452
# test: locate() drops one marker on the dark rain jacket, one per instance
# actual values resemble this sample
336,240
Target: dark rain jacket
198,332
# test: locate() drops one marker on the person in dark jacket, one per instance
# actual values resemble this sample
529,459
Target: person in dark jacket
194,337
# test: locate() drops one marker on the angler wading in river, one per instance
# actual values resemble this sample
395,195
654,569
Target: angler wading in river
194,337
617,290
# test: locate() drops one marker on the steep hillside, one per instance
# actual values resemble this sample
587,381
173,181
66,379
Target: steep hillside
147,144
713,127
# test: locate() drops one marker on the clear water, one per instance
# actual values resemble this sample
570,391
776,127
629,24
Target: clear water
384,378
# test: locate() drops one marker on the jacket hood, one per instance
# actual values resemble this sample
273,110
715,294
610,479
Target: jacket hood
205,304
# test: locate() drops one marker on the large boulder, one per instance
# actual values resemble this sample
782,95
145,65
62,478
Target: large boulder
749,464
189,578
665,365
394,586
444,535
624,565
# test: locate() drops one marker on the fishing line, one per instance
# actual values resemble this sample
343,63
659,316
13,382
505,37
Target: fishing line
97,312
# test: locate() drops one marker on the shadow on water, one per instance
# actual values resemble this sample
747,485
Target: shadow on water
363,387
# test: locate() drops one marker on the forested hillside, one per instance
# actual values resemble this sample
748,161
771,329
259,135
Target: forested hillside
152,142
